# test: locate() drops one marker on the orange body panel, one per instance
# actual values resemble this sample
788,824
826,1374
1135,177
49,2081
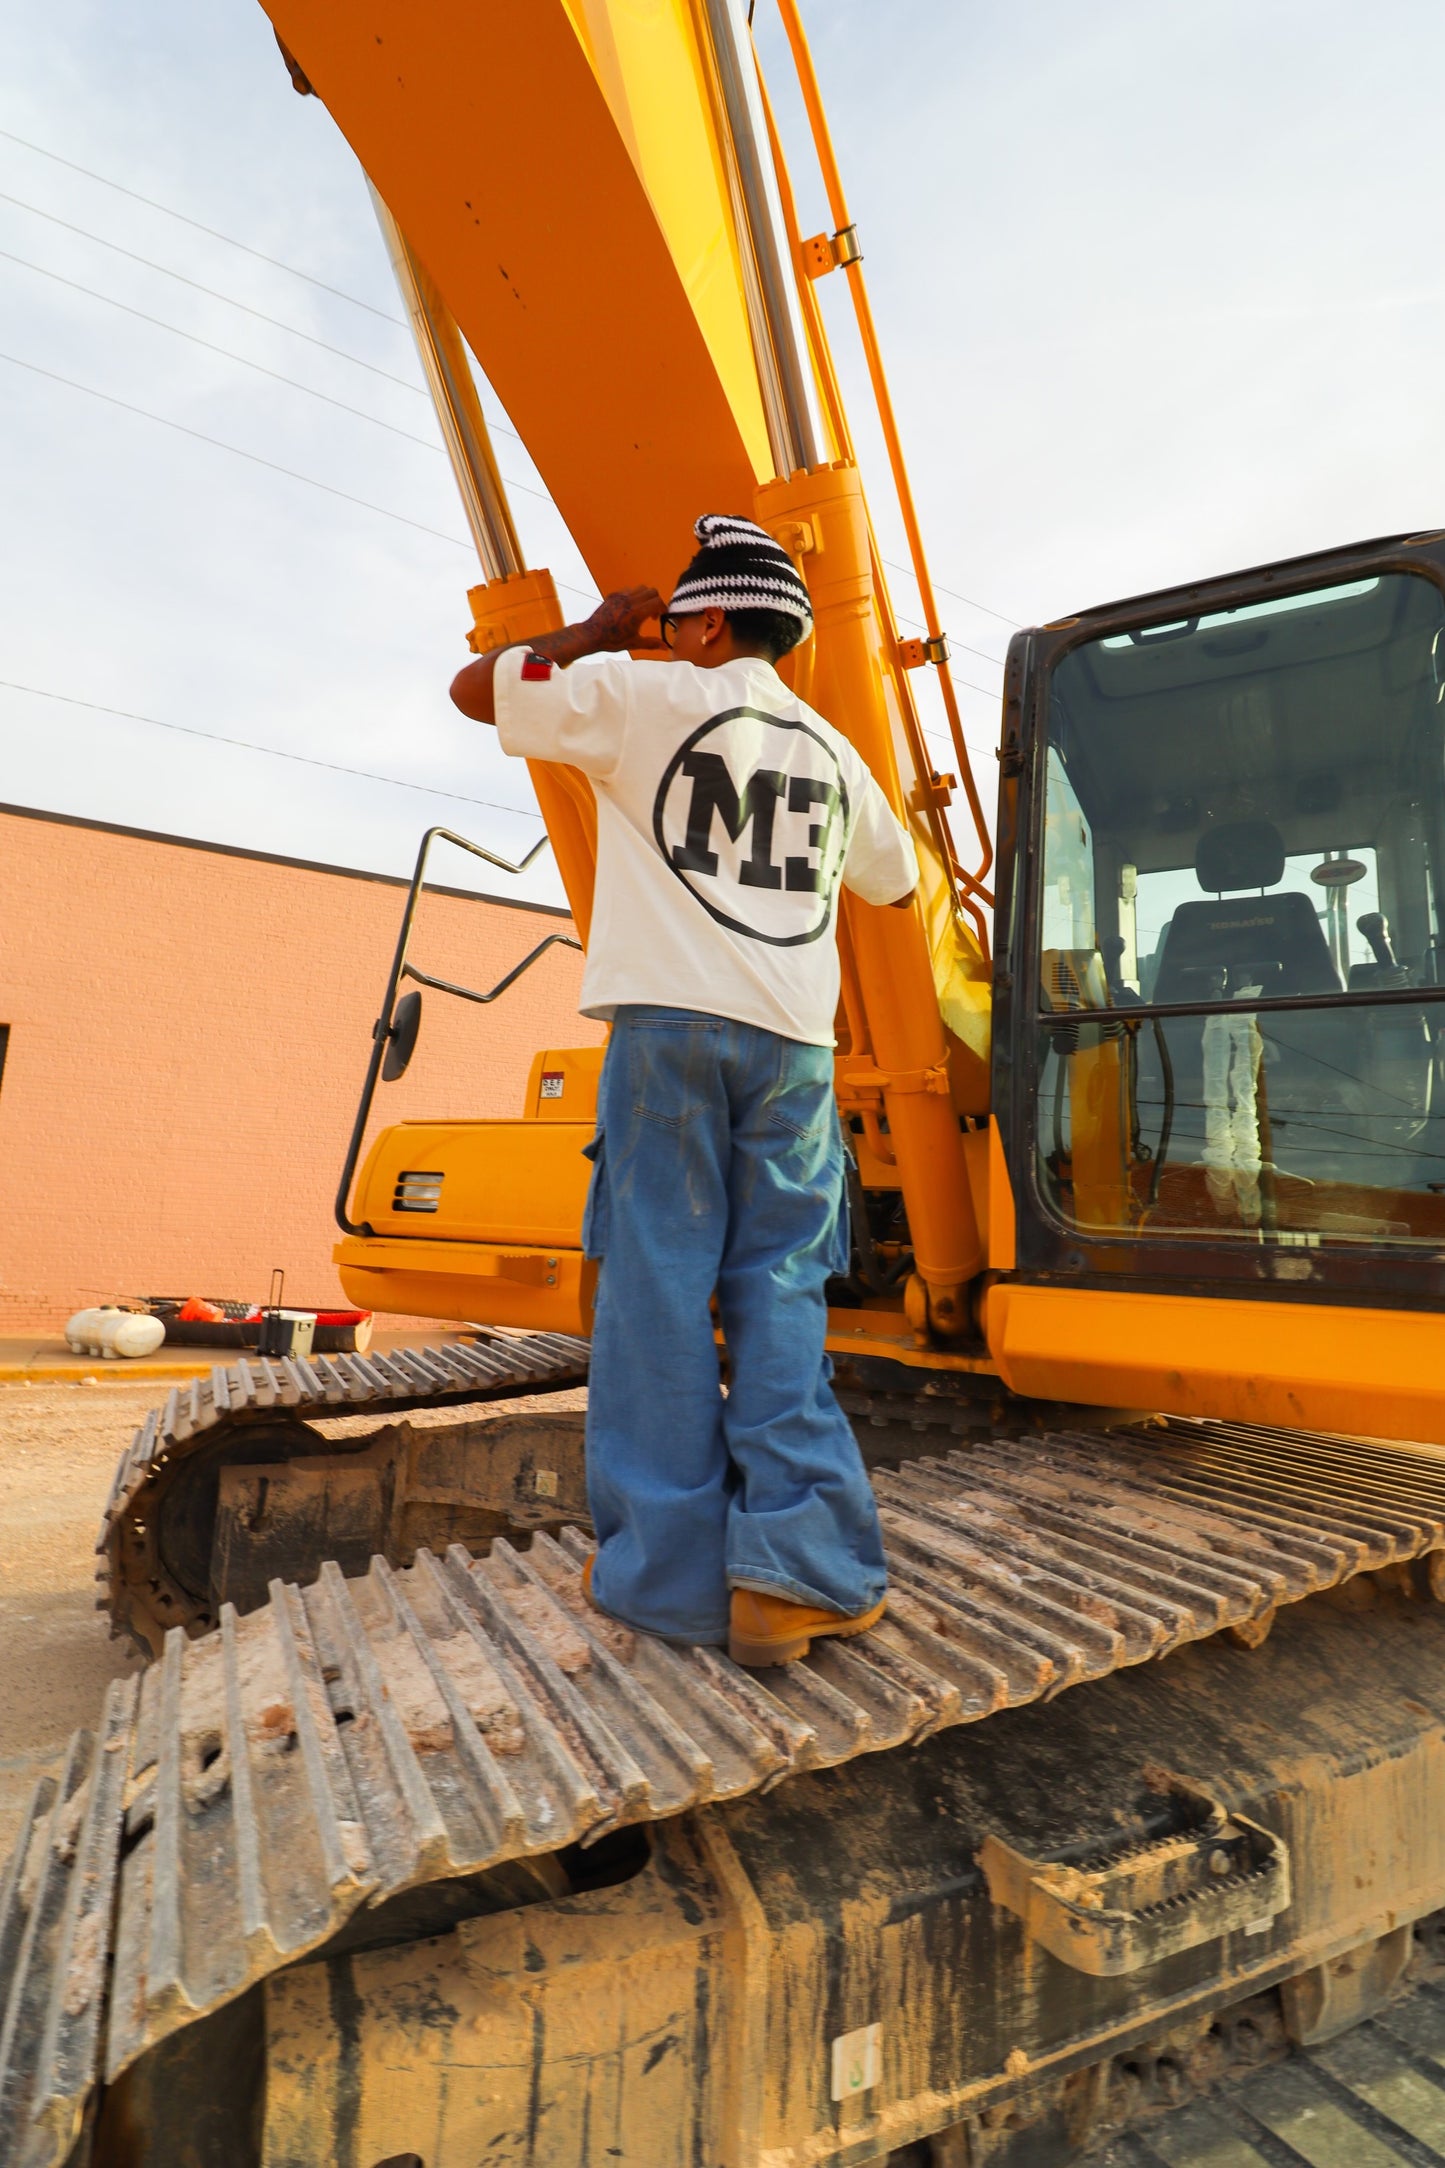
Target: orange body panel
1293,1364
535,1290
493,1182
499,1240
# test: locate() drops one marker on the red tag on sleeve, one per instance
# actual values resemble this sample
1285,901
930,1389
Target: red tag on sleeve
536,669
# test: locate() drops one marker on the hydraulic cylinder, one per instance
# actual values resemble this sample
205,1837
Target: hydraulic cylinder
819,517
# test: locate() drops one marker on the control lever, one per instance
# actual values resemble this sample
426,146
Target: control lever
1376,929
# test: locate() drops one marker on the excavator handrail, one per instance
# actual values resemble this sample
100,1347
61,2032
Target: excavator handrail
852,262
837,420
469,993
384,1029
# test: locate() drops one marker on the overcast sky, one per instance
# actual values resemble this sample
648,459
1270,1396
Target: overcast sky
1159,287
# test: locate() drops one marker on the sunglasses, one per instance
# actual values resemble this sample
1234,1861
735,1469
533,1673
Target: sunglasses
667,626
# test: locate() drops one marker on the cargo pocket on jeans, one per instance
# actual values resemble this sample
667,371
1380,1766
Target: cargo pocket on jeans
596,1214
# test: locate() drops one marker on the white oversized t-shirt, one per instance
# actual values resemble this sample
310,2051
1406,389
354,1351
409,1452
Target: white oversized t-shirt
728,814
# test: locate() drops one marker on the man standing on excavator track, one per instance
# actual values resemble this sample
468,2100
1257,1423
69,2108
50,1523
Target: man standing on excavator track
728,816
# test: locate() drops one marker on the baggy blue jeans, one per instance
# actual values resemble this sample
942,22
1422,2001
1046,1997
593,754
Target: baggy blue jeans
717,1169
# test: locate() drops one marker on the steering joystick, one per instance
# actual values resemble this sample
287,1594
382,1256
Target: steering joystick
1376,929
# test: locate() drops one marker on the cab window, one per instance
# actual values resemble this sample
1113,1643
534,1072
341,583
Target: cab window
1241,854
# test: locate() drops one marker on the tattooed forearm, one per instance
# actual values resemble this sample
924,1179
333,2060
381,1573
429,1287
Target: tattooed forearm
614,625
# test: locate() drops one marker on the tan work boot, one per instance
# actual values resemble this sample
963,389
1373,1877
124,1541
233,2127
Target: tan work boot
768,1630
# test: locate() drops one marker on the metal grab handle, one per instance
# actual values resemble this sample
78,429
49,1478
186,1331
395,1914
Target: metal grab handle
382,1030
469,993
1223,1875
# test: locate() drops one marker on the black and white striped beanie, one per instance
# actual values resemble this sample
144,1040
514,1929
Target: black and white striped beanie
739,567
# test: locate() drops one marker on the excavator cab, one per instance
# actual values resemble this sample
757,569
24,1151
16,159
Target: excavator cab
1225,878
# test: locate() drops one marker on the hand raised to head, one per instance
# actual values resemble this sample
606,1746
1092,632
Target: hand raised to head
618,619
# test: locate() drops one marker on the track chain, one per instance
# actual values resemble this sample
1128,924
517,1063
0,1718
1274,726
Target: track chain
144,1601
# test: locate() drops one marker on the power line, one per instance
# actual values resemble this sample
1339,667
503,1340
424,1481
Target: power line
275,374
211,347
273,752
359,413
261,255
981,746
341,353
215,235
211,292
953,636
428,444
1011,622
165,421
989,692
219,444
305,760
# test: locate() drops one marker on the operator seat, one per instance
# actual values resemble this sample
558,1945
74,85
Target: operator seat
1277,943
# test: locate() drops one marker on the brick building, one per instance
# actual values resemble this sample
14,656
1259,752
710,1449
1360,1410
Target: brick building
183,1034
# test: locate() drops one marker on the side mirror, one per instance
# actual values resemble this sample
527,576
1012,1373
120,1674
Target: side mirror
401,1037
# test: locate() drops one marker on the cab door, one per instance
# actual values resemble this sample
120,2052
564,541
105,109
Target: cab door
1221,1001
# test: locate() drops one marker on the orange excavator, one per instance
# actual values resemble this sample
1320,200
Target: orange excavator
397,1852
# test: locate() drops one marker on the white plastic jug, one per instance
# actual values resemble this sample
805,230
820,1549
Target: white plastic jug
111,1332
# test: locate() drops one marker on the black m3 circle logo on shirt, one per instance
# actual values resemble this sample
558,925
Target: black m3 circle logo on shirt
752,816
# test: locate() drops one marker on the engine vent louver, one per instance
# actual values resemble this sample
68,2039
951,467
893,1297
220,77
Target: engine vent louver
417,1191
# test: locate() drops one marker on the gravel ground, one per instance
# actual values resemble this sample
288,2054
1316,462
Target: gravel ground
58,1448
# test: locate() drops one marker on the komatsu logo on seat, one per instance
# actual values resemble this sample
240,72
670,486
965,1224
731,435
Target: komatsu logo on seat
752,816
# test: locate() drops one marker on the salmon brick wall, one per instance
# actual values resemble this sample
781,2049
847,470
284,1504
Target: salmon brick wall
189,1028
